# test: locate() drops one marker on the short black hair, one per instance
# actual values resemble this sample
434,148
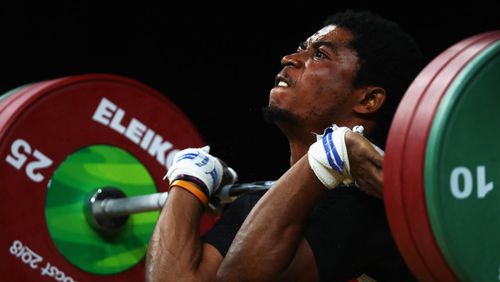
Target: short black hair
388,57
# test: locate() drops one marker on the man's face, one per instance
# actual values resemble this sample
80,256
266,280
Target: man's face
314,87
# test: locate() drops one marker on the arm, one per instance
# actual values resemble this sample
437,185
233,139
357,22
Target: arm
267,242
176,252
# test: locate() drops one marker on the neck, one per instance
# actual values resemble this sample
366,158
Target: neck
299,140
299,145
298,150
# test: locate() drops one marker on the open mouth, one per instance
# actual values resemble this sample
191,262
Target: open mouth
281,81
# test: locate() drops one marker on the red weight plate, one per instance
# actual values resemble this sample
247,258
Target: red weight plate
8,98
393,193
413,174
460,165
53,119
404,199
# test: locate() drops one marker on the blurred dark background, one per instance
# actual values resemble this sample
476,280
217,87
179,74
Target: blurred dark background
211,58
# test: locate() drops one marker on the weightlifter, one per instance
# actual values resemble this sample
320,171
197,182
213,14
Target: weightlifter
315,224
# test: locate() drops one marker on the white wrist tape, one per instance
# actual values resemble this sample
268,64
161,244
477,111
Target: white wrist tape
328,157
197,164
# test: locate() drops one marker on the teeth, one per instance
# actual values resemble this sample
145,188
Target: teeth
283,84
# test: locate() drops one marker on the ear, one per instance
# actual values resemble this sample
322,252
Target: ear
371,99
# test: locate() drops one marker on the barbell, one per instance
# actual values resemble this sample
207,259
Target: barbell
109,207
82,161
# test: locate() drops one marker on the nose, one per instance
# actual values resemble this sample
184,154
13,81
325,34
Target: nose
292,60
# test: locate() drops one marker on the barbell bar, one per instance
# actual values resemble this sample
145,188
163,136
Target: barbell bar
109,208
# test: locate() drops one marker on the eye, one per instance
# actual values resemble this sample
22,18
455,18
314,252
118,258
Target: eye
319,54
302,46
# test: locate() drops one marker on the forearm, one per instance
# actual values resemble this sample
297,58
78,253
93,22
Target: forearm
268,239
175,249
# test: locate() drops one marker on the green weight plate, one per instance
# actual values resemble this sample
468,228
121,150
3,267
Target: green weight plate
404,176
461,168
69,191
403,165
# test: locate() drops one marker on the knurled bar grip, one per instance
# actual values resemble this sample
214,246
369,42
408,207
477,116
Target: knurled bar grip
112,207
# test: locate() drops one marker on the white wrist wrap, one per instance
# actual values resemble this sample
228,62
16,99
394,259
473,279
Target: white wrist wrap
328,157
197,163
